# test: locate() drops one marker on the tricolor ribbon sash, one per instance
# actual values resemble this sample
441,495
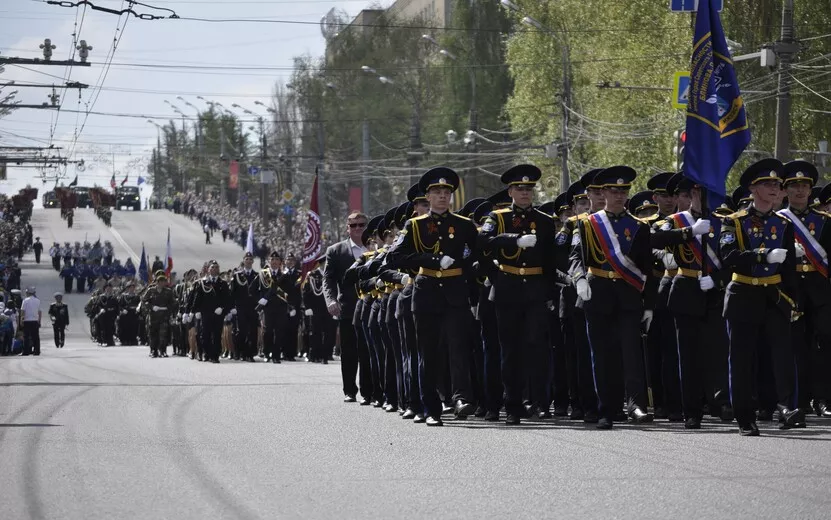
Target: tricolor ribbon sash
622,265
685,219
814,252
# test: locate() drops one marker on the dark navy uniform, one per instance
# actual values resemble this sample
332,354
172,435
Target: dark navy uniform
521,289
270,288
211,299
760,301
247,324
811,334
440,296
695,299
617,302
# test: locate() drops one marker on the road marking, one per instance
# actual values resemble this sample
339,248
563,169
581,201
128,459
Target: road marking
121,241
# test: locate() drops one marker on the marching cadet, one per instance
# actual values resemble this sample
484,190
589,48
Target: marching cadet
610,261
521,240
59,315
661,343
418,206
247,323
319,330
696,300
758,245
68,275
295,300
811,335
271,288
210,297
160,304
66,253
128,317
395,278
440,245
55,254
107,305
642,205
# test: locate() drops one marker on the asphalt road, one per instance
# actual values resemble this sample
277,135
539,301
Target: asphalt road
88,433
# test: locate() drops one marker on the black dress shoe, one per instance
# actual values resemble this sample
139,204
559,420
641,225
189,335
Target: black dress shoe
434,421
749,430
638,416
463,409
693,423
391,408
822,409
561,411
408,414
480,412
531,410
491,416
275,360
660,413
418,419
215,361
349,398
544,414
591,417
576,414
791,419
727,414
364,401
621,416
604,423
512,420
675,417
377,404
446,409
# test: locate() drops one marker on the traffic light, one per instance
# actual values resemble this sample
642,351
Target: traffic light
680,143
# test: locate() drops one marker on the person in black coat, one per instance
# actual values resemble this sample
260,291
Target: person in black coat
37,247
245,312
341,299
59,315
210,304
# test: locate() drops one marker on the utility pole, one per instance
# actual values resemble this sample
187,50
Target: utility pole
263,190
364,175
565,179
415,144
785,49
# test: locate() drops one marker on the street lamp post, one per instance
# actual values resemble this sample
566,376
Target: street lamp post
566,94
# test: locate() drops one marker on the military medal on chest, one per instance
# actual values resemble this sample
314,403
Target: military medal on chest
451,232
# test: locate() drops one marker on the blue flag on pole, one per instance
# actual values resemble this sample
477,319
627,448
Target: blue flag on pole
140,180
717,130
143,273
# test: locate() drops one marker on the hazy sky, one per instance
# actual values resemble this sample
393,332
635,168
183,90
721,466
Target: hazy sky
130,88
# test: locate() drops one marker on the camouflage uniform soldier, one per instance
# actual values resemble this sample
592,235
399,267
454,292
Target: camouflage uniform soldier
160,304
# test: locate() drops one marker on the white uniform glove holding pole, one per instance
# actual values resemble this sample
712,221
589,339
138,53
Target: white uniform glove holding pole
405,280
309,312
218,311
799,250
700,227
526,241
583,289
706,283
777,256
198,315
263,302
233,312
446,262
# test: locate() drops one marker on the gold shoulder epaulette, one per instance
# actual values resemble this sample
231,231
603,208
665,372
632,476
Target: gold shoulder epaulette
420,217
823,213
737,214
463,217
369,254
503,210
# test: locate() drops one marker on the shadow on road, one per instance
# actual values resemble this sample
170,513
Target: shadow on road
29,425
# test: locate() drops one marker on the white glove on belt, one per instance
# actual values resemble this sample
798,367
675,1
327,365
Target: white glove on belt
706,283
218,311
446,262
583,289
309,312
526,241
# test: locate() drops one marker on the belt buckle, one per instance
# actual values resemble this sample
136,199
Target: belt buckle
611,274
438,274
521,270
754,281
804,268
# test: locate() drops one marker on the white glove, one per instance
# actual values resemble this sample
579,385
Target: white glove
647,318
218,311
800,251
706,283
777,256
156,308
446,262
473,310
293,313
583,289
100,312
334,309
379,284
263,302
233,312
309,312
550,305
488,282
669,261
198,315
700,227
405,280
186,318
179,315
123,312
526,241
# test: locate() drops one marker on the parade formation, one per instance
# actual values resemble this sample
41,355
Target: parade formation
601,306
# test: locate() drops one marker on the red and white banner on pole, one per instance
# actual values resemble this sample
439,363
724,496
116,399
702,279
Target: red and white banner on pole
233,172
169,257
313,240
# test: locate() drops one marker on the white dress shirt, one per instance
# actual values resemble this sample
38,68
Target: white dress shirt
30,308
357,250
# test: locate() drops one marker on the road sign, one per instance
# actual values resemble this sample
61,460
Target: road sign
690,6
253,170
267,176
680,89
288,195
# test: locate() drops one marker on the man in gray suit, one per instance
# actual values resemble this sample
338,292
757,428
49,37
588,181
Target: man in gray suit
341,298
